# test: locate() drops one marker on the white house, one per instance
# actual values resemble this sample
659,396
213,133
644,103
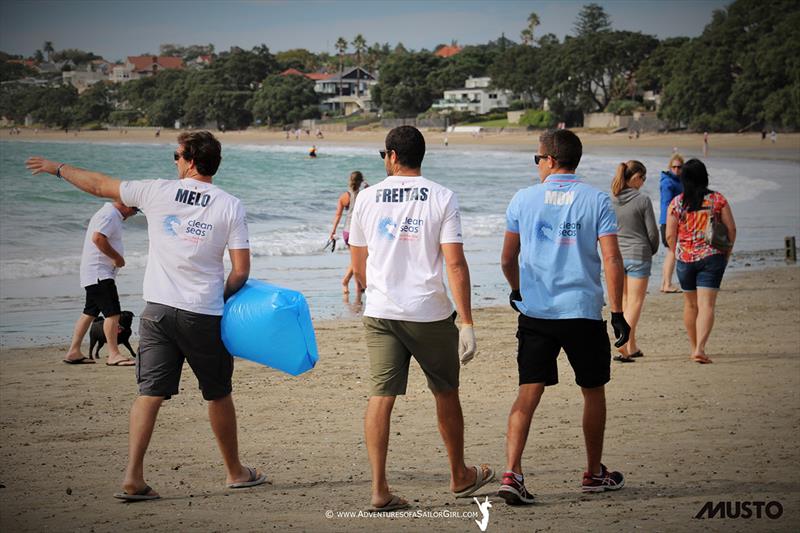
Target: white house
476,96
348,91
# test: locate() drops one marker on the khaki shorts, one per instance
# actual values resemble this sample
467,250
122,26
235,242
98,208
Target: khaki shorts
391,343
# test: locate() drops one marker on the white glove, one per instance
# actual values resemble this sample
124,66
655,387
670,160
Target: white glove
466,344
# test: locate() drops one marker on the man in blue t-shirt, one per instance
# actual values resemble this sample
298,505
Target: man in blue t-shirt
551,263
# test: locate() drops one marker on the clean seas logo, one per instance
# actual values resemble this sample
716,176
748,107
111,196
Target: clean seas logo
387,228
544,231
172,225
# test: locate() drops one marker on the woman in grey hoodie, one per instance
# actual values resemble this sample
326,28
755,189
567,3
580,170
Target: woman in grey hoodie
638,241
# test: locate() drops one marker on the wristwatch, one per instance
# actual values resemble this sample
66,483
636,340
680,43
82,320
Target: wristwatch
58,171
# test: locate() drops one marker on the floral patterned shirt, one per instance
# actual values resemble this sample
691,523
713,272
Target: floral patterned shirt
692,245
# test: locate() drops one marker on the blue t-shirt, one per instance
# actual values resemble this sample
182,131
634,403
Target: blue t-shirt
559,222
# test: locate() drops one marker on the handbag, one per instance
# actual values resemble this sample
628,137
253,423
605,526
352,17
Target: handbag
716,234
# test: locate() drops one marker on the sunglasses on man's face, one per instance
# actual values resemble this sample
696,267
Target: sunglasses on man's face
537,158
176,155
383,153
677,166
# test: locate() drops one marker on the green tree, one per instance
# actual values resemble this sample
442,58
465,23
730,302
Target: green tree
518,70
527,35
405,87
297,58
285,100
360,46
592,19
55,106
341,48
48,48
95,104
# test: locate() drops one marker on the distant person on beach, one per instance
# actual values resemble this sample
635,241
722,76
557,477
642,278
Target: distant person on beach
101,259
403,228
347,200
700,265
705,144
763,134
312,153
551,263
190,222
773,136
670,187
638,237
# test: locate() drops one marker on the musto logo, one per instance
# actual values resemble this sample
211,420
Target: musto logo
772,510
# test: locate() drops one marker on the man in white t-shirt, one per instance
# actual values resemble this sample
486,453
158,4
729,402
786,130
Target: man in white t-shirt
402,230
102,256
190,223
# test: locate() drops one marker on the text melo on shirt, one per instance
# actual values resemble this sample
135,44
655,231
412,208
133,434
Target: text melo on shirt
192,197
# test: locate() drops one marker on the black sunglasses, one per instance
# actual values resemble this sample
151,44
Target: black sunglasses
384,152
176,155
537,158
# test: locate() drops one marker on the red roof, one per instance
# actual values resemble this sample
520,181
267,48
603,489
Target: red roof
291,72
316,76
146,63
447,51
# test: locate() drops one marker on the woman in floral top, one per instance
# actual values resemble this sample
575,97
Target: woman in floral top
700,265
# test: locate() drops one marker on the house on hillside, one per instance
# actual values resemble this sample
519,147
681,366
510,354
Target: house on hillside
143,66
477,96
82,76
347,91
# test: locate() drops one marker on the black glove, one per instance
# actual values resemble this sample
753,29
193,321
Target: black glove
515,295
621,329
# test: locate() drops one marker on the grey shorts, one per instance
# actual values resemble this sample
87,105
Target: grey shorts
167,336
391,343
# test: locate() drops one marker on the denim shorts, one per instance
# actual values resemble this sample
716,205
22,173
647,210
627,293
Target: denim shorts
706,273
637,269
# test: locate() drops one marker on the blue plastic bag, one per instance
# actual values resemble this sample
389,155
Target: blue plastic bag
270,325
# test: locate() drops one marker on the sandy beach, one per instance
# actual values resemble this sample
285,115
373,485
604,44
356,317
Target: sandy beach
747,145
684,434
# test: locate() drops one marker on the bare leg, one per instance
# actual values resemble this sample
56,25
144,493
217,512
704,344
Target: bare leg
376,430
594,425
451,427
346,279
519,423
690,317
635,290
143,418
81,327
706,302
667,271
110,326
222,415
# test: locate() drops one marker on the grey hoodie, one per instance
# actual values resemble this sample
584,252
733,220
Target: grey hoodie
638,231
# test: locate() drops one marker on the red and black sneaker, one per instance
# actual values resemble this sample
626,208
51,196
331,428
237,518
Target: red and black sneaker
605,481
513,490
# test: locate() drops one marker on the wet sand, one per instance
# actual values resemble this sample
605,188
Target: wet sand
683,434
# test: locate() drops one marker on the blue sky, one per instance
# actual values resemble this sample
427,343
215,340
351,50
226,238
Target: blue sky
117,28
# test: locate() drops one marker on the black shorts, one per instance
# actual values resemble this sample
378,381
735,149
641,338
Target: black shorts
664,235
102,297
585,342
167,336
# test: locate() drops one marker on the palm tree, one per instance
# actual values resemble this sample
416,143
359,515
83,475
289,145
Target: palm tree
341,47
527,34
360,45
48,48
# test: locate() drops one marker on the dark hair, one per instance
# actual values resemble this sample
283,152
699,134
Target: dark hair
694,179
409,145
564,146
202,148
356,179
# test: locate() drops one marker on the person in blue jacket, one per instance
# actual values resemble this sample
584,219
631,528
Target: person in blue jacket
670,188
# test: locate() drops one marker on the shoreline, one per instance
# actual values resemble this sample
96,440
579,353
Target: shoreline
745,145
683,434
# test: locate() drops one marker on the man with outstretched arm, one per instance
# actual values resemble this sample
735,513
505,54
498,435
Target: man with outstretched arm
402,231
551,263
190,223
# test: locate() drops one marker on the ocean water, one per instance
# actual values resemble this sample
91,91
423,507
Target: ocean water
290,201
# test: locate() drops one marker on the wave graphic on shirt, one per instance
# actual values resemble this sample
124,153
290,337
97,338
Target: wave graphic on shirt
544,232
387,228
172,225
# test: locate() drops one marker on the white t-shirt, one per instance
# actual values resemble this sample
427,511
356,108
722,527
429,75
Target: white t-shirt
95,265
403,221
189,224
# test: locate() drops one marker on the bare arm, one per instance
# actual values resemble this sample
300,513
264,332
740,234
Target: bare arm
240,271
458,279
344,200
615,272
358,258
94,183
509,259
730,225
672,230
101,241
